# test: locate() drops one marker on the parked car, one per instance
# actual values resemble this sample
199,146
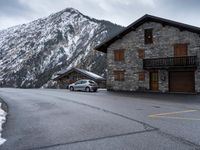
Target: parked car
84,85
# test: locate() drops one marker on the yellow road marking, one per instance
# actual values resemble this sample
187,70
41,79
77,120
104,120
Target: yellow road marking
180,118
172,113
165,115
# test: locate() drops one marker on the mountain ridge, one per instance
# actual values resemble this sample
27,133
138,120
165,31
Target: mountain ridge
31,53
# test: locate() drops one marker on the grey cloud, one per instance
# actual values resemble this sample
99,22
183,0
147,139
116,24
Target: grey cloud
190,5
12,8
122,12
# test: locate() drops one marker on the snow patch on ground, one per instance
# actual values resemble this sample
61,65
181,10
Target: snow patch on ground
2,120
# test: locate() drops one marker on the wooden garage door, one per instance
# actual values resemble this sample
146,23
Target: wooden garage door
181,81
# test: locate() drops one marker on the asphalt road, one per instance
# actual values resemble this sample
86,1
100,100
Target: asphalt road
62,120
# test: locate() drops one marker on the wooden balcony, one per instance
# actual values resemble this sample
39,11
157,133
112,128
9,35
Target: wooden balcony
170,62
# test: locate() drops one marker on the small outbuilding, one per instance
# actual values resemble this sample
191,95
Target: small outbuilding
66,77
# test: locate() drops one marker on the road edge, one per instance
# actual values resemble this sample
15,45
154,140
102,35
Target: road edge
5,108
4,105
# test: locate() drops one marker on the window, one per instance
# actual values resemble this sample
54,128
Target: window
154,77
83,82
119,55
78,82
119,75
141,53
148,35
141,76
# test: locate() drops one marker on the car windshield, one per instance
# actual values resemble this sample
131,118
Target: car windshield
83,82
78,82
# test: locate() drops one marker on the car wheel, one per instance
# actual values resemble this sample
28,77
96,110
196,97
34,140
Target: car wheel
87,89
71,88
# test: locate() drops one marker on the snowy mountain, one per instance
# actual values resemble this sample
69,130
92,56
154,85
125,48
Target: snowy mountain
31,53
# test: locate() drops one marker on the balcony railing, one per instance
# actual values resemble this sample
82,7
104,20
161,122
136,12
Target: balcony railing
170,62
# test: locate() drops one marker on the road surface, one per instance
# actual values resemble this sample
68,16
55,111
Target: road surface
61,120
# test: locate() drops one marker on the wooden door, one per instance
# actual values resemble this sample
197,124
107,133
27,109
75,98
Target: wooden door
181,81
180,50
154,81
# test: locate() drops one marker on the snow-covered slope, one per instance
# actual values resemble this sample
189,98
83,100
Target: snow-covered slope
2,121
31,53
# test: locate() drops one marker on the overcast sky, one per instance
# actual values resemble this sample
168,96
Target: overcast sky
123,12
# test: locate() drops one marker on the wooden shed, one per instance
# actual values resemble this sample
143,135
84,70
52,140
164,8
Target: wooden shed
66,77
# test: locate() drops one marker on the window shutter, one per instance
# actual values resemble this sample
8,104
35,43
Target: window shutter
142,76
119,75
141,53
119,55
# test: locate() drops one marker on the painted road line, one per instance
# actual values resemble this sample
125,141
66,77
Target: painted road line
172,113
178,118
166,115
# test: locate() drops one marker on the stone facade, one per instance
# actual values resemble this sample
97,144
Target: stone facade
164,38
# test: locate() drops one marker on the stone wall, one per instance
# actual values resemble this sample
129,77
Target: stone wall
164,38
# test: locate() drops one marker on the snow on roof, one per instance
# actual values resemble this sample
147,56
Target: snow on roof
85,72
63,71
91,74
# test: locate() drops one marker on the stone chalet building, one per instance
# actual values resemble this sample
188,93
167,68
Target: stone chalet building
154,54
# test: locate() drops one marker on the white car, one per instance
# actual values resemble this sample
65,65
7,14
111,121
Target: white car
84,85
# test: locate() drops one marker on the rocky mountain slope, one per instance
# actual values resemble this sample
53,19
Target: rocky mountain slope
31,53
